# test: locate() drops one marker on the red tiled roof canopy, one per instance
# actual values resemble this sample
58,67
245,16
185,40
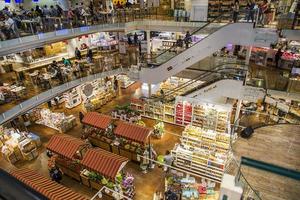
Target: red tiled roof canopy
97,120
103,162
65,145
45,186
132,132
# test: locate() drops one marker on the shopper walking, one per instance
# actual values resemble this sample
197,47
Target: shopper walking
56,174
168,160
262,12
187,39
236,10
77,54
89,55
278,57
135,38
250,11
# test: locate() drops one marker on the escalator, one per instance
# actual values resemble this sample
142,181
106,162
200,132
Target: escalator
223,71
175,59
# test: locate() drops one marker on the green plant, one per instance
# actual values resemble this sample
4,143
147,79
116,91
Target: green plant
104,181
119,178
110,185
94,176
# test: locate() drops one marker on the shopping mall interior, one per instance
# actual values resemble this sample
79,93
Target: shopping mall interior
150,99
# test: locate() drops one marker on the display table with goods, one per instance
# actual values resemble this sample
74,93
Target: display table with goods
124,81
57,121
66,153
203,152
48,188
188,187
125,113
16,145
103,168
187,111
280,109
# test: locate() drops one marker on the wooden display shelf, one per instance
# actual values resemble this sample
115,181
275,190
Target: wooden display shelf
85,180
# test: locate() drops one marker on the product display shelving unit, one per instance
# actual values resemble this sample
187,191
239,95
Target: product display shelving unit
72,98
204,152
124,81
217,7
187,111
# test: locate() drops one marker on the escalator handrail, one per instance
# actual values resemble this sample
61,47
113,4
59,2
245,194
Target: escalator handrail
201,76
193,33
206,74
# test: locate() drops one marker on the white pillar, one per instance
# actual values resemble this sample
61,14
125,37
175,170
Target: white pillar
149,90
237,111
248,54
148,44
247,61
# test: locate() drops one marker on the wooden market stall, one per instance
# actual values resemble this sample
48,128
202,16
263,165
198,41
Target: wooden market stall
45,186
103,168
133,139
68,150
97,129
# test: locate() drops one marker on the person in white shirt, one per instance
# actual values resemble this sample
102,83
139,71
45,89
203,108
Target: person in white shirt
10,27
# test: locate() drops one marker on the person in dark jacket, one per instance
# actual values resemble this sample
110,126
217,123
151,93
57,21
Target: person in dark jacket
278,57
77,54
89,55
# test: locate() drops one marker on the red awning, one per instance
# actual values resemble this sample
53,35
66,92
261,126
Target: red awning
97,120
65,145
132,132
46,187
103,162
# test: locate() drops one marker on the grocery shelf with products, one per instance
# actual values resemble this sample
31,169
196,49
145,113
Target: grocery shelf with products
96,94
72,98
124,81
204,152
18,145
281,109
188,111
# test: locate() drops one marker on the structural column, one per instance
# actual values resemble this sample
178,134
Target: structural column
237,113
247,61
148,44
149,90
